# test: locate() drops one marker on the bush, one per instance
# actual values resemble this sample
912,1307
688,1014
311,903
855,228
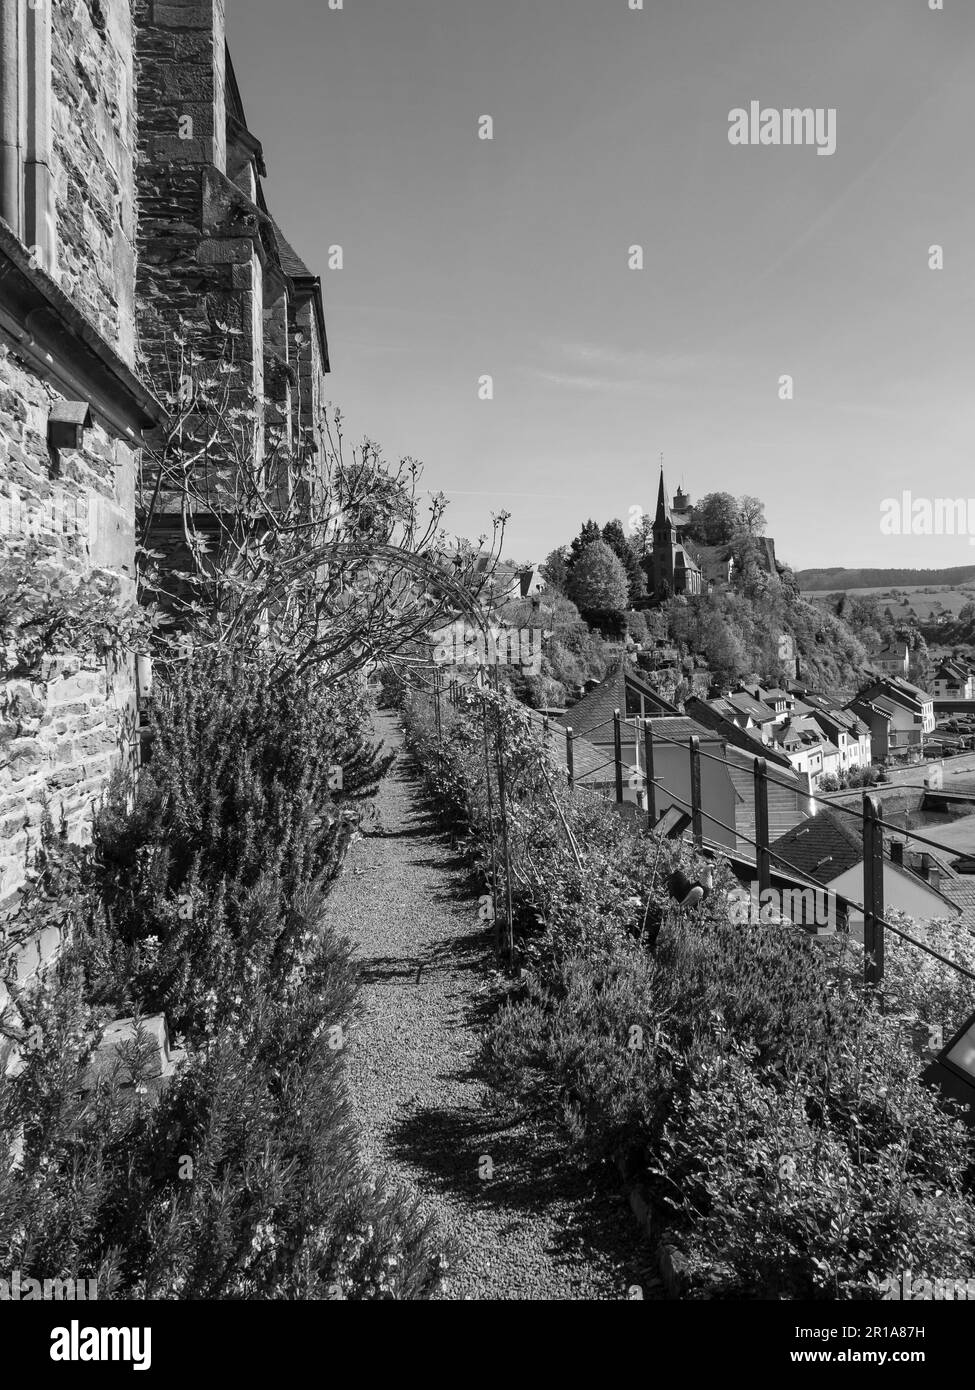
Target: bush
772,1111
243,1181
215,877
204,899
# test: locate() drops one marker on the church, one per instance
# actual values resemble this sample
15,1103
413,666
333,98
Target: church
683,566
675,571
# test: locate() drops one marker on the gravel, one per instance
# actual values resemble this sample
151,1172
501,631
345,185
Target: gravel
524,1223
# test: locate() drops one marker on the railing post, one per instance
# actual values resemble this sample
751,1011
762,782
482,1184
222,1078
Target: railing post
506,849
618,754
697,822
763,860
570,755
437,685
649,774
873,891
490,809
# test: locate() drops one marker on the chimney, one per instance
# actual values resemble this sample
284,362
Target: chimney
897,852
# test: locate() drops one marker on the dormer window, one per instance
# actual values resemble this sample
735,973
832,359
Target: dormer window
245,158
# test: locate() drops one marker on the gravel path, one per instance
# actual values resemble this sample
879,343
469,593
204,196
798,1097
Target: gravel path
539,1228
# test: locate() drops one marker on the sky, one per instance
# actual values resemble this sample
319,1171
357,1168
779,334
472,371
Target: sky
509,258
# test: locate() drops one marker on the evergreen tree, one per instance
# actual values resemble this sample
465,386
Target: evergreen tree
590,532
615,537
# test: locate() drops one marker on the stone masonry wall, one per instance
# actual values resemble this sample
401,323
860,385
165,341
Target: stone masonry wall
93,124
65,727
63,730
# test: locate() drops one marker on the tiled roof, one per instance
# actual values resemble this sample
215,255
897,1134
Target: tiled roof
588,763
709,713
679,728
960,889
758,711
593,714
823,847
291,263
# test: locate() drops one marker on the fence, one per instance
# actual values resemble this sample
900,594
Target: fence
870,816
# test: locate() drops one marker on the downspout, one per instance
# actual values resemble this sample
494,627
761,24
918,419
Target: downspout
11,148
40,225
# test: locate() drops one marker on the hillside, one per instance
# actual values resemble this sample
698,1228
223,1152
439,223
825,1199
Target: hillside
826,580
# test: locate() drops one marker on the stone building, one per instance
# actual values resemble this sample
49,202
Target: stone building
130,203
674,569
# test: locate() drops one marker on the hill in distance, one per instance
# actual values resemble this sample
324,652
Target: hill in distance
828,580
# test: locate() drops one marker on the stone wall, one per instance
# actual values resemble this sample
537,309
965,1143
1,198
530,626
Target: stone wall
93,147
65,726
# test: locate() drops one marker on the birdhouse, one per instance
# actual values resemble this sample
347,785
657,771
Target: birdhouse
66,425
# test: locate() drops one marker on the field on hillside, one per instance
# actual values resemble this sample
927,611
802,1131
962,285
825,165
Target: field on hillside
924,602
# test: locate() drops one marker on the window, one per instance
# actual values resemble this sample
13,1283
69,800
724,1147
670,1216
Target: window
26,186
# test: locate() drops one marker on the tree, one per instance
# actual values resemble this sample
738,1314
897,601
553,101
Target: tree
615,537
590,532
333,561
598,579
715,519
555,570
642,541
751,515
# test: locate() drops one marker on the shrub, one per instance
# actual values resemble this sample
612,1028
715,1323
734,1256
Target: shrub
204,899
773,1111
215,877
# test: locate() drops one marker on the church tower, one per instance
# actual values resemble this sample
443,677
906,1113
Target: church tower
664,543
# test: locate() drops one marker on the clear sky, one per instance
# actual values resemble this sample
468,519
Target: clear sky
466,257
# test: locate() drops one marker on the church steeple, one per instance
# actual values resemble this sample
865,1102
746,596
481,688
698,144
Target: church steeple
664,541
663,517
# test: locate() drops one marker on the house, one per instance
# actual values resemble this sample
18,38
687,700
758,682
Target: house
783,702
759,715
727,770
829,849
803,745
850,735
953,681
530,581
622,689
898,714
894,659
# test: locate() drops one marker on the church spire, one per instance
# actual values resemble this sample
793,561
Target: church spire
663,517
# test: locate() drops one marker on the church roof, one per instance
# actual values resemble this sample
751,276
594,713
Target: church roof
291,263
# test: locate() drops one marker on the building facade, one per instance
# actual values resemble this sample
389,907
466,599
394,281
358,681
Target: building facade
131,204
